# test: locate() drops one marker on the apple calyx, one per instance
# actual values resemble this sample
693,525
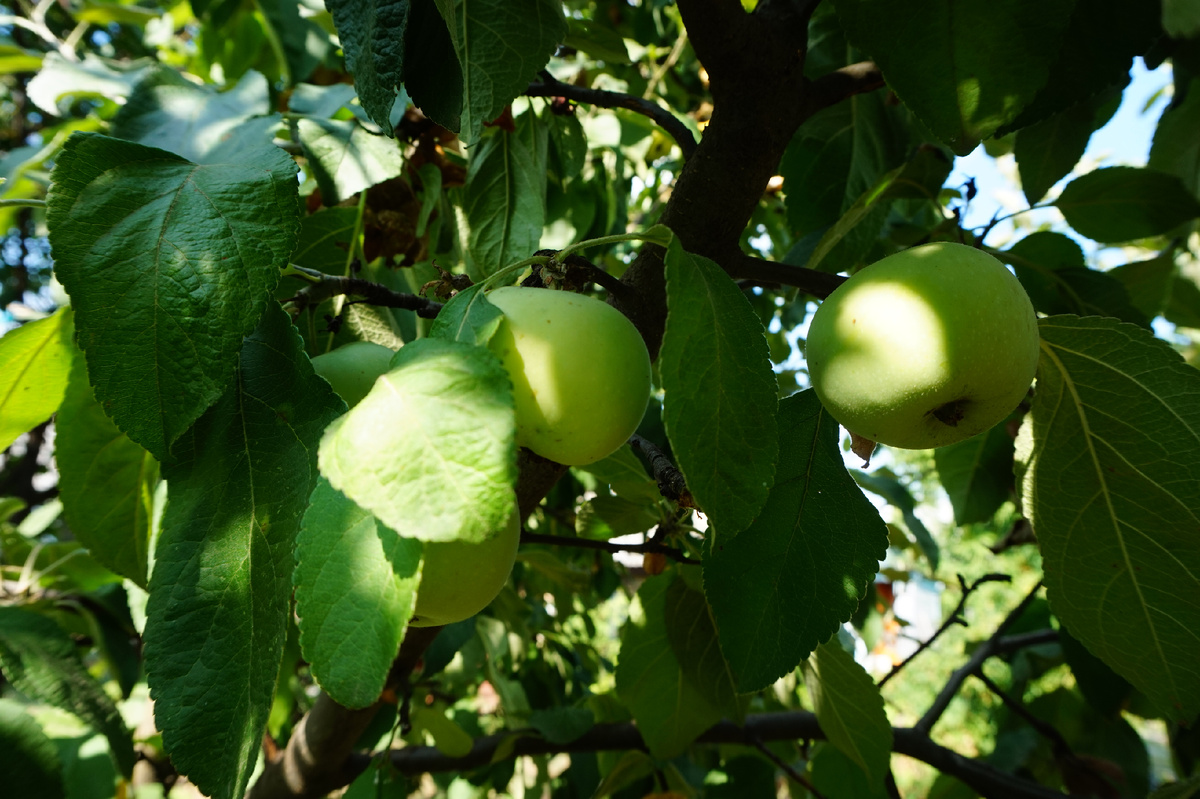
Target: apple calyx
951,413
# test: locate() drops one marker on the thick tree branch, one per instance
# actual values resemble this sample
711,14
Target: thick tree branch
550,87
983,778
833,87
758,270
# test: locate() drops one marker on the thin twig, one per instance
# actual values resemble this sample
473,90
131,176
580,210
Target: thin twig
984,651
323,286
552,87
793,775
604,546
1061,747
955,617
670,480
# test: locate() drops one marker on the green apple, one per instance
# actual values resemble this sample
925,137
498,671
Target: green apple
459,579
924,348
353,368
580,372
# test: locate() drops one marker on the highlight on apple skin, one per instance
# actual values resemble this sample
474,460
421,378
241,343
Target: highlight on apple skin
460,578
352,368
924,348
580,372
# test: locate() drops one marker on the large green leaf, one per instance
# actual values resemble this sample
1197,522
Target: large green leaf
1176,150
503,202
432,75
61,82
1048,150
29,759
501,45
850,709
170,113
356,586
372,35
1092,54
1111,482
964,69
977,474
694,639
721,396
219,594
39,659
169,264
669,710
35,360
786,583
345,158
1121,203
106,481
430,451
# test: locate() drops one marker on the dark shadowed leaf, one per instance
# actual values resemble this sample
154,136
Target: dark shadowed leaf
719,410
1122,203
784,584
219,594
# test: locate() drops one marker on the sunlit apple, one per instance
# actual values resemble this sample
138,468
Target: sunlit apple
925,347
580,372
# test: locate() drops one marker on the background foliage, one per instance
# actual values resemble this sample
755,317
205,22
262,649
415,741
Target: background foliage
198,198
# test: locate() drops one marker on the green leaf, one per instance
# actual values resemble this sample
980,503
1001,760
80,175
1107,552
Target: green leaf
607,516
625,475
1051,268
1093,53
302,43
107,482
372,35
430,451
35,360
503,202
569,143
670,712
694,640
432,74
1105,690
835,774
1181,19
891,489
721,396
345,158
850,710
468,318
1178,790
1111,448
501,45
1047,151
855,231
977,474
786,583
61,83
170,113
168,264
561,725
449,738
219,593
29,759
356,586
1122,203
39,659
1148,283
963,69
1176,149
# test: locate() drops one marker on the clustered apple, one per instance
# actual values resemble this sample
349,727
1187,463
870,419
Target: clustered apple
352,368
924,348
580,372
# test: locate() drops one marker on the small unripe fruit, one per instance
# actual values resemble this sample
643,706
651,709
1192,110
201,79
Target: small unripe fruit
580,372
353,368
459,579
